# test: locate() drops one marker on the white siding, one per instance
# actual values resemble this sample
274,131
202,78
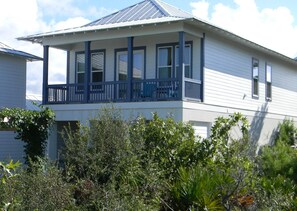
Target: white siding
9,147
12,94
12,81
228,79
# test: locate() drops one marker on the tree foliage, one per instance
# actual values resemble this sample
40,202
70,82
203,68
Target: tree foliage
158,164
32,127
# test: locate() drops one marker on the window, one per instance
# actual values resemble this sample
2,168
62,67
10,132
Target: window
255,79
122,65
268,82
97,68
187,56
168,61
165,69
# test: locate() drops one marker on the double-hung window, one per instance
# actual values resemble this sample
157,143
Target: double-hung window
187,60
97,69
255,79
165,62
168,61
122,65
268,79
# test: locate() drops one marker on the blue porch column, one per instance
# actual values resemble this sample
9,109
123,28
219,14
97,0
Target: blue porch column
130,68
67,75
87,71
202,62
45,74
181,64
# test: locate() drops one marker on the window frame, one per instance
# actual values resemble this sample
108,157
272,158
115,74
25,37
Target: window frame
255,95
100,51
268,84
122,50
174,65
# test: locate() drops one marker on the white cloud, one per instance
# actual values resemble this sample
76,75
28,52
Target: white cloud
271,27
200,8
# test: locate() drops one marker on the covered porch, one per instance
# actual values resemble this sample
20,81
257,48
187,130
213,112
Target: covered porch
155,84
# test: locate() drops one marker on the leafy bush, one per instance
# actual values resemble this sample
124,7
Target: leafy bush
169,144
41,188
279,169
287,132
107,158
32,127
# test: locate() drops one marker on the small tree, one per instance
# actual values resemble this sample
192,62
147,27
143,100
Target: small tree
32,127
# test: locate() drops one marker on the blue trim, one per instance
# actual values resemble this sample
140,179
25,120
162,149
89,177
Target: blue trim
45,74
68,68
87,70
202,64
252,78
117,50
91,52
181,63
130,68
266,82
173,45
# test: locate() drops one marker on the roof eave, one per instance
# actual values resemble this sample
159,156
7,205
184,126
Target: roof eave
242,40
38,38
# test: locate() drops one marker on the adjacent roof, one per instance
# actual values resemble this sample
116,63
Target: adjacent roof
150,12
5,49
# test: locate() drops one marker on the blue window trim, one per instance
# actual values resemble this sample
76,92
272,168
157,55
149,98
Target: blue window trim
104,68
266,82
252,78
117,50
173,45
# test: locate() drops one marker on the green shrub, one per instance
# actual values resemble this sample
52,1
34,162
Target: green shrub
40,188
169,144
287,132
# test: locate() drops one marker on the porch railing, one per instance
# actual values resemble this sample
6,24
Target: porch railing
116,91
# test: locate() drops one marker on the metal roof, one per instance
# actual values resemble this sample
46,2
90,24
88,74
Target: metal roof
145,10
151,12
5,49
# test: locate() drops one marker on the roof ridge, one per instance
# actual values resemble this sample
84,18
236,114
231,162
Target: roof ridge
159,6
161,3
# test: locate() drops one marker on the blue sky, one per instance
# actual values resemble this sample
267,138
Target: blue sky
271,23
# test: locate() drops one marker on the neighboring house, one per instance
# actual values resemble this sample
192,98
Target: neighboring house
133,58
12,94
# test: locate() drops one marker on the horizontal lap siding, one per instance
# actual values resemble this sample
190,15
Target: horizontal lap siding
9,147
12,81
12,94
228,79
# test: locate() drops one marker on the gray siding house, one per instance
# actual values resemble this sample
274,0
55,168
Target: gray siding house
12,95
153,57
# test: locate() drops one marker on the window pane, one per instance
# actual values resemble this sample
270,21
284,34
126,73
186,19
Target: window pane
268,73
80,78
187,55
255,74
80,61
268,81
97,77
187,58
138,64
97,62
122,66
164,72
268,90
165,56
